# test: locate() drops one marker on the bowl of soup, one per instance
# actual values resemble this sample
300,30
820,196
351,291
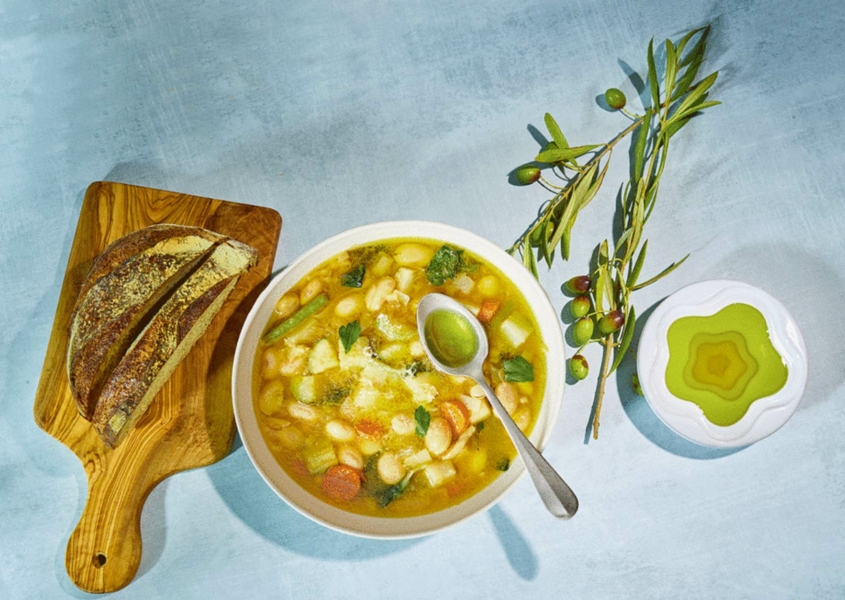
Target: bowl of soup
342,413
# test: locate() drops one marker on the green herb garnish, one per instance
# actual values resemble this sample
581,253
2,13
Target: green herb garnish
503,465
615,274
418,366
349,334
443,265
355,277
423,419
518,370
335,394
394,491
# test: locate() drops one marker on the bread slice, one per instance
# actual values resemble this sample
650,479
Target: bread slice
166,339
123,287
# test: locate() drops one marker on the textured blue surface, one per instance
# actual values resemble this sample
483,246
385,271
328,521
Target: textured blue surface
340,114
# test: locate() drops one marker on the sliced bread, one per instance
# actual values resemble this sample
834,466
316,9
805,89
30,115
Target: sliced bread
165,340
124,285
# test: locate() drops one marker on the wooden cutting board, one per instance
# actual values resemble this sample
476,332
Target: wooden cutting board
190,423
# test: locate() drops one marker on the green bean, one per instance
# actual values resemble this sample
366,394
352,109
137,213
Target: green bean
275,334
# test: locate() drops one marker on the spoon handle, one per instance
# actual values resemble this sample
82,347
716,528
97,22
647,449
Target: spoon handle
558,497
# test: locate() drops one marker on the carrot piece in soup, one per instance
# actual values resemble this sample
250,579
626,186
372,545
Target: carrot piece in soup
369,428
456,413
341,482
488,310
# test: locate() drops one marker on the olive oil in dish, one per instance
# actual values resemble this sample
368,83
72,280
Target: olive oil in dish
724,362
451,338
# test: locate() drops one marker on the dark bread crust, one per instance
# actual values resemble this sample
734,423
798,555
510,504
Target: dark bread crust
136,242
167,339
124,284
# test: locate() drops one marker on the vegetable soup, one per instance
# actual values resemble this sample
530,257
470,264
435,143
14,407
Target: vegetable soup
351,407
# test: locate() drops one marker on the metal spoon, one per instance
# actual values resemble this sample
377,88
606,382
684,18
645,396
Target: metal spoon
556,495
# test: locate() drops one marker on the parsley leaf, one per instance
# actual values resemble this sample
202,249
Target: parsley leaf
355,277
349,333
503,465
518,369
423,418
394,491
444,265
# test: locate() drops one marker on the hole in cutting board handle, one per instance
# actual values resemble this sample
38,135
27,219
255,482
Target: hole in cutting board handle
99,560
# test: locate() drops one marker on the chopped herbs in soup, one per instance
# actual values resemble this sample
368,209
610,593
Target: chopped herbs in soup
351,407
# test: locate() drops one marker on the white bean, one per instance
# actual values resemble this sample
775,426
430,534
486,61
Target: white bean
522,418
368,447
291,437
390,468
349,306
286,305
508,396
271,398
413,255
272,362
340,431
477,391
417,350
439,436
303,412
403,424
311,290
351,457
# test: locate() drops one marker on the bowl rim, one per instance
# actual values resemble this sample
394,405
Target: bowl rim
765,415
391,527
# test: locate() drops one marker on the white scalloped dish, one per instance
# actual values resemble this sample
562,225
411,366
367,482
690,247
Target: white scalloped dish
764,415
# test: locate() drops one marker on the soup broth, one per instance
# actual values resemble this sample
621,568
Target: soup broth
351,407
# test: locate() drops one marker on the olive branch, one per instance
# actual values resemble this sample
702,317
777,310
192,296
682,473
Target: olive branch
604,296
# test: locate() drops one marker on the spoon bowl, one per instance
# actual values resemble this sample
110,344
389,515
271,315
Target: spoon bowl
555,493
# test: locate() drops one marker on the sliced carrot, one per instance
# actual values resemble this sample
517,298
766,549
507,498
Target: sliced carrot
369,428
341,482
456,413
488,310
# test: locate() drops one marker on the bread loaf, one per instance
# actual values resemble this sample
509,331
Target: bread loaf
140,313
123,286
166,340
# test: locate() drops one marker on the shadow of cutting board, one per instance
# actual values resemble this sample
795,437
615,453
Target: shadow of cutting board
190,423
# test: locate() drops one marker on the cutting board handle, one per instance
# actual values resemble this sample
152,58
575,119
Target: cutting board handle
104,551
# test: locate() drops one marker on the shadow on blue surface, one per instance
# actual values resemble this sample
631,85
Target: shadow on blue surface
517,549
253,502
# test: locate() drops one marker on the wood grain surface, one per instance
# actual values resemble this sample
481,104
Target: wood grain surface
190,423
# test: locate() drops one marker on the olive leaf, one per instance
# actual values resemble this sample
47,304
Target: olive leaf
638,266
627,336
660,275
556,133
556,155
639,147
652,77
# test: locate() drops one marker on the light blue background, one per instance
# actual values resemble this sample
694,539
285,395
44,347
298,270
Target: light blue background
340,114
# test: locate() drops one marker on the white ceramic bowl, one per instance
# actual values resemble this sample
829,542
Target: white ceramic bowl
376,527
765,415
